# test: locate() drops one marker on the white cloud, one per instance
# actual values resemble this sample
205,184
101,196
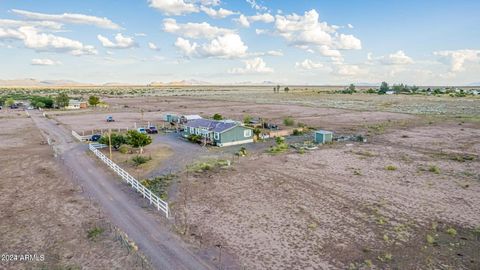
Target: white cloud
120,42
224,46
173,7
265,17
252,66
308,32
275,53
242,20
458,58
194,30
397,58
44,62
152,46
255,5
140,34
71,18
308,64
32,39
348,42
38,24
347,70
349,26
217,14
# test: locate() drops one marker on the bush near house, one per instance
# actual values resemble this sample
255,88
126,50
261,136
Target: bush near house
288,121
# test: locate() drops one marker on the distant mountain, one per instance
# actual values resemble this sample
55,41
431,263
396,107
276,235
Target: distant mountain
35,82
474,84
182,82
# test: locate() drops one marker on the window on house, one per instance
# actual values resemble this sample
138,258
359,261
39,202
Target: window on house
216,136
192,130
247,133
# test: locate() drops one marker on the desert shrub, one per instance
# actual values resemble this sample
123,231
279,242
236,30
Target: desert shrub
452,232
242,152
123,149
93,233
217,116
288,121
159,185
391,168
430,239
209,165
297,132
139,160
301,125
434,169
280,146
194,138
247,119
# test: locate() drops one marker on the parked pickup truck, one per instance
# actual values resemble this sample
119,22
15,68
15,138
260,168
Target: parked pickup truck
142,130
152,130
110,119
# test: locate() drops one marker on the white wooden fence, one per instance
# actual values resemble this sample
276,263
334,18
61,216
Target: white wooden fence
79,137
154,199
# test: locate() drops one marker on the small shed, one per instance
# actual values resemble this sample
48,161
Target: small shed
323,136
170,117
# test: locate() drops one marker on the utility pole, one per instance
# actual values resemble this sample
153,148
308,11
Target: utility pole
110,142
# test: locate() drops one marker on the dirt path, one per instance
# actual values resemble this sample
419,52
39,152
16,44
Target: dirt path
164,249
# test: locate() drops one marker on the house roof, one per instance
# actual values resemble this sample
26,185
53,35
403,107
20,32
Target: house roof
212,125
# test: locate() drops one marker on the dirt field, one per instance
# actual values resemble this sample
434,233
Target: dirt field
127,112
341,207
43,212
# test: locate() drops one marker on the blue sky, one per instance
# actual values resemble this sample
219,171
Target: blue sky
308,42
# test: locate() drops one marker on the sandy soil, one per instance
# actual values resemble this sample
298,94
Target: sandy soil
340,207
43,212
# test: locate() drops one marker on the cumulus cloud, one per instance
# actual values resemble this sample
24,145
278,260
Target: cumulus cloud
265,17
194,30
347,70
33,39
217,13
173,7
71,18
349,26
252,66
309,33
458,58
153,46
308,64
224,46
120,42
397,58
44,62
242,20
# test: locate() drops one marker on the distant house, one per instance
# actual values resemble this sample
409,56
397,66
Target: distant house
74,104
219,133
185,118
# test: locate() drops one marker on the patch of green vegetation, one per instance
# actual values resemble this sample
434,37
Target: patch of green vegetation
93,233
387,257
280,146
452,232
288,121
139,160
209,165
430,239
123,149
159,185
368,263
390,168
364,153
434,169
297,132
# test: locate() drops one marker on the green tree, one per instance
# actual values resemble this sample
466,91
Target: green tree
247,119
256,132
117,140
9,102
217,116
93,101
286,89
138,140
383,88
62,100
351,88
40,105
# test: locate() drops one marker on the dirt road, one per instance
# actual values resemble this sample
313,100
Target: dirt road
164,249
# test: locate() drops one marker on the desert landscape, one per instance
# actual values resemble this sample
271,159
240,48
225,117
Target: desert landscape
404,198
